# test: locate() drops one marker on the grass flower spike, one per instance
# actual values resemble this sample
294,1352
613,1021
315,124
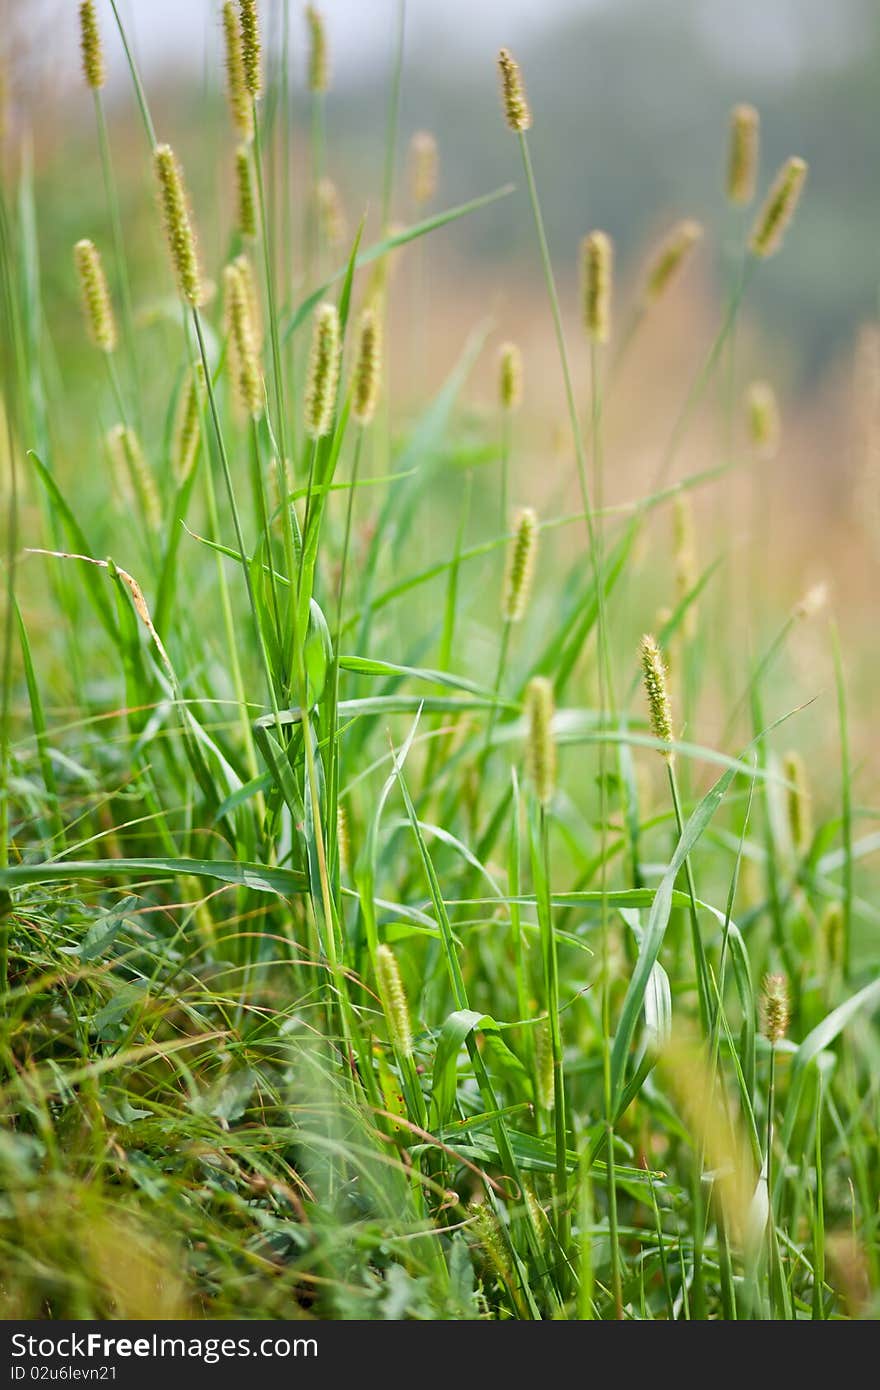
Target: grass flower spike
323,378
775,1008
244,187
778,210
540,742
250,46
187,423
513,93
90,44
394,1004
597,261
243,356
510,377
762,416
742,160
520,568
129,460
367,367
97,304
178,225
319,65
423,167
657,692
800,821
670,258
240,106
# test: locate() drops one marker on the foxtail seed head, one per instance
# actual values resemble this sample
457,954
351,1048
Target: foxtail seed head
250,46
513,93
240,107
128,458
423,167
243,355
187,424
319,67
323,378
742,157
656,689
800,820
178,224
510,377
97,305
544,1065
831,931
90,44
541,744
244,188
249,280
394,1005
774,1008
331,218
597,264
670,258
813,602
778,210
367,367
762,414
520,567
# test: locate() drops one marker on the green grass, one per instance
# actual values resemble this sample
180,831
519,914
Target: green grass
228,778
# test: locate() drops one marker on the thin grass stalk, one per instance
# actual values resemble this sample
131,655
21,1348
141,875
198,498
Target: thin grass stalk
122,277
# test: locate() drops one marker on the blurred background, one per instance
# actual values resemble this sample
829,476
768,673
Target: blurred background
631,101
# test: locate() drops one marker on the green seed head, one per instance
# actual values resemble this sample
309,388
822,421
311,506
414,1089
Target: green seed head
541,745
394,1005
331,217
510,376
97,305
520,568
244,187
831,931
669,259
129,461
423,167
762,416
343,834
742,157
656,689
178,225
244,362
778,210
250,46
319,67
597,262
367,367
544,1065
513,93
90,44
187,434
774,1008
323,378
240,106
800,820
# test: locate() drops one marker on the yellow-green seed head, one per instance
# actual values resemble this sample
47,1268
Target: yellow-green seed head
670,258
657,692
774,1007
128,458
519,571
831,931
513,93
800,819
544,1065
323,378
742,156
488,1234
597,274
685,556
394,1005
244,188
97,305
250,46
423,167
178,224
778,210
187,434
243,355
319,65
331,218
343,835
762,418
249,280
367,367
90,44
540,743
240,105
510,376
